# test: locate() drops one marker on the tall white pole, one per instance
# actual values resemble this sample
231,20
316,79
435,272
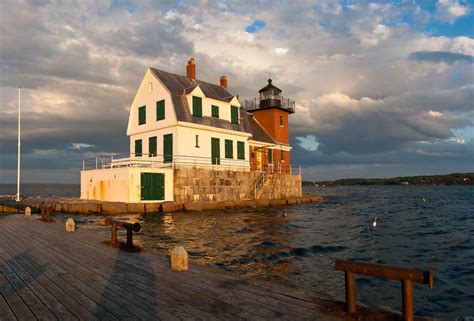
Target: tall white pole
19,147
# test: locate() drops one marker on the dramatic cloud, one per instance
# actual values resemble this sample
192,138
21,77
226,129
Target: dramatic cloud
376,94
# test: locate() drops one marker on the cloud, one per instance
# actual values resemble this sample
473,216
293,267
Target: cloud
281,51
440,56
80,146
435,113
450,10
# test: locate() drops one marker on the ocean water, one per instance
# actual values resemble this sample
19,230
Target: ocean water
419,227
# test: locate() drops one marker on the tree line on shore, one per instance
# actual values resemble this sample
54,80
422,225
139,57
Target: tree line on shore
449,179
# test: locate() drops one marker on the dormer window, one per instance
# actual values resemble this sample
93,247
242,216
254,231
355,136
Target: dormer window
150,87
234,114
215,111
142,115
197,106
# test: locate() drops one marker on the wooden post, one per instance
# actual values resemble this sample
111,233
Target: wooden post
113,240
179,259
129,238
407,294
350,293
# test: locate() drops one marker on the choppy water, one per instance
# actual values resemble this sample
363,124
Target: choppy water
300,248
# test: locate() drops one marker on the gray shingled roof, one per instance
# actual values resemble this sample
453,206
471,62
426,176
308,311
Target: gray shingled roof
181,85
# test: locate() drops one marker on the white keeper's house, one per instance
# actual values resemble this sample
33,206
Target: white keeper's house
191,140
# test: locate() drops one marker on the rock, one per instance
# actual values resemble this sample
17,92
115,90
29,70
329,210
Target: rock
303,200
171,207
70,225
28,211
73,208
193,206
152,207
135,207
244,203
114,207
291,201
316,198
278,202
210,206
179,259
59,207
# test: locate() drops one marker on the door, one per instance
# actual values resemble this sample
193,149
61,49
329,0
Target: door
168,148
152,186
215,151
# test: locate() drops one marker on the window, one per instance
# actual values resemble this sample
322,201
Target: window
234,114
197,106
168,148
152,146
160,110
215,151
281,120
229,149
215,111
142,115
240,150
282,156
150,88
138,148
197,141
270,156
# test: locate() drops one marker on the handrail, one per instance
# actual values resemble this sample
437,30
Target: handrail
406,276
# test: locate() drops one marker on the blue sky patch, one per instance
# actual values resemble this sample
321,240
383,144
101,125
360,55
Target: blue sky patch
255,26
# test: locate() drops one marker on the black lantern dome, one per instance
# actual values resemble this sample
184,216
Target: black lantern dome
270,97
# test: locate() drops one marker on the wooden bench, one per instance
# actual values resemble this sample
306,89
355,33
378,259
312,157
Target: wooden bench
406,276
130,227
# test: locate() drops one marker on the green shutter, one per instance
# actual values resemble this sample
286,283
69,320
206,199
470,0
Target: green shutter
168,148
152,186
215,111
152,146
240,150
270,156
234,114
142,115
197,106
160,110
138,148
229,149
215,151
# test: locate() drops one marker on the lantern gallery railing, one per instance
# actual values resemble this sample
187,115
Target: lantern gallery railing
176,161
281,102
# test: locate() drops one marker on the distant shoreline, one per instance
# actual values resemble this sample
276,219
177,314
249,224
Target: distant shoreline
455,179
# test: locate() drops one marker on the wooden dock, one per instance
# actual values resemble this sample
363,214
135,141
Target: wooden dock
49,274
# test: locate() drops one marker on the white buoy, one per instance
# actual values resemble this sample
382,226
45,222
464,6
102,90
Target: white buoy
375,221
424,200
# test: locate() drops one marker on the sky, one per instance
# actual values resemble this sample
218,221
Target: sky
382,89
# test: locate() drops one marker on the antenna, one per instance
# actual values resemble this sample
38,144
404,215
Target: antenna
19,147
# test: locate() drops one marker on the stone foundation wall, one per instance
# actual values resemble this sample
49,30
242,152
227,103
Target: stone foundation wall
201,184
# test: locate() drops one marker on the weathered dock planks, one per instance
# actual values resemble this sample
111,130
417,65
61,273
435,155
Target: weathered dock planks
49,274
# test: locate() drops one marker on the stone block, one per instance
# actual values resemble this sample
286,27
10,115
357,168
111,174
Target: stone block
91,208
316,198
179,259
303,200
72,207
213,205
152,207
278,202
171,207
244,203
58,207
262,202
193,206
135,208
114,207
291,201
70,225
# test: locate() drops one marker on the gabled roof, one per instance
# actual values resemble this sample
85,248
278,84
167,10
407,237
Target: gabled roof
179,86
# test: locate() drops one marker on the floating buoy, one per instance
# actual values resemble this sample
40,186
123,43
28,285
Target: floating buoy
424,200
375,221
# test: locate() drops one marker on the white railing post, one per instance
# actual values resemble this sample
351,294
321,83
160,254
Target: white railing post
96,163
300,170
111,160
83,164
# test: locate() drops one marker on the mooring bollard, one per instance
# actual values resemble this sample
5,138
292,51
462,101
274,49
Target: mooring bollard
179,259
46,212
70,225
28,211
130,227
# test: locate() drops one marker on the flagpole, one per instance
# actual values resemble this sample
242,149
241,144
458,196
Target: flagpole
19,147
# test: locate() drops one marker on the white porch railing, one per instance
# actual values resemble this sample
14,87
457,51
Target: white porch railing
176,161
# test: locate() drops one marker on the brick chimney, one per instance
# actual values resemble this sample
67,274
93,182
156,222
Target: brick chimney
191,69
224,82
